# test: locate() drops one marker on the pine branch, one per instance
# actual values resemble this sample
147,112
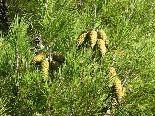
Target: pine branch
94,17
17,61
114,56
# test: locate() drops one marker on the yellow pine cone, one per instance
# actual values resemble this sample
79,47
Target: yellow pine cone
101,46
38,58
81,38
102,35
112,76
93,38
45,68
55,65
119,91
58,57
112,72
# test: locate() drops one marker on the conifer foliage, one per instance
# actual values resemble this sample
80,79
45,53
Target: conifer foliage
77,68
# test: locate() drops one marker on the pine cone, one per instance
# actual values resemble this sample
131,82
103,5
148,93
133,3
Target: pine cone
45,68
38,58
112,72
102,35
82,37
101,47
92,38
119,91
58,57
55,65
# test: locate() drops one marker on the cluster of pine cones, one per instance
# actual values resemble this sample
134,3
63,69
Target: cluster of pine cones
98,38
42,59
118,89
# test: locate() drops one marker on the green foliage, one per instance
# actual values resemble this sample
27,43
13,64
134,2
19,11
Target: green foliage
80,87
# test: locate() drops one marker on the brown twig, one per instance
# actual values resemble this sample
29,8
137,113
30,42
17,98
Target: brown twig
49,52
132,10
26,63
50,25
114,56
115,3
99,12
123,84
94,16
46,5
48,106
59,85
23,61
17,61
